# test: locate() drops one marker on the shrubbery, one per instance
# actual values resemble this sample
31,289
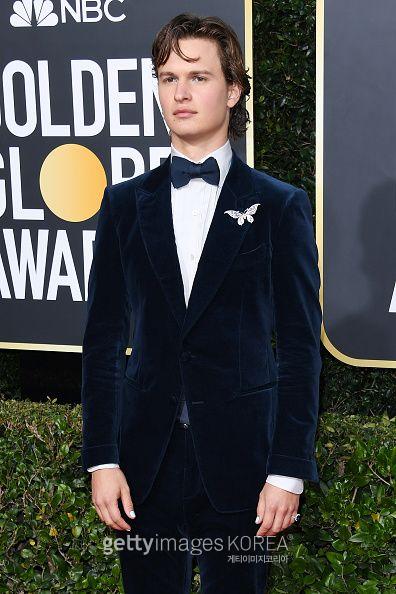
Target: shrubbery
51,538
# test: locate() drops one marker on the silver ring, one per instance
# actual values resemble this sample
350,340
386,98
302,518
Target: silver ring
296,518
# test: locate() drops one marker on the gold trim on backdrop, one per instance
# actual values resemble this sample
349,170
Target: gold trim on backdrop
320,7
249,65
249,159
26,346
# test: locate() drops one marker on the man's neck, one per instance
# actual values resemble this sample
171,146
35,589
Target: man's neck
196,151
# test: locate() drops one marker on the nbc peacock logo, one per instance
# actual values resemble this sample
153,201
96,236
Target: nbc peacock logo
33,12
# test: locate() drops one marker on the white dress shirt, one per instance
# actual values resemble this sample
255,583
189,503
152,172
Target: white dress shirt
193,206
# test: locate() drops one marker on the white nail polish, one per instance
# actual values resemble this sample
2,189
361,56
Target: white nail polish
257,520
132,514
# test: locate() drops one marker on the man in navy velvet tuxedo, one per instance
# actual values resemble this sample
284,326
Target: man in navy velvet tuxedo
208,433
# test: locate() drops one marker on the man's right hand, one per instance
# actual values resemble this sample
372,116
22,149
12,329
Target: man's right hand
109,485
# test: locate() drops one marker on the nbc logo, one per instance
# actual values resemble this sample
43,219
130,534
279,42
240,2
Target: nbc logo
44,15
41,12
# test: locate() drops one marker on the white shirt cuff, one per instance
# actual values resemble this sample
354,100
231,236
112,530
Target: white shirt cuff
99,466
288,483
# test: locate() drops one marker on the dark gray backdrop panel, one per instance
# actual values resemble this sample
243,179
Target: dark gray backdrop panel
359,204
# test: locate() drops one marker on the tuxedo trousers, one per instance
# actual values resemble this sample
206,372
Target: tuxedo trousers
176,529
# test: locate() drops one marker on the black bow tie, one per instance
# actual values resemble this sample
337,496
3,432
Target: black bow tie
182,170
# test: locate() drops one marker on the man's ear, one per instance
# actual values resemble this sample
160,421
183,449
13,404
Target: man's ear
234,94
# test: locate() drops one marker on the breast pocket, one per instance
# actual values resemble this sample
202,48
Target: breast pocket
257,255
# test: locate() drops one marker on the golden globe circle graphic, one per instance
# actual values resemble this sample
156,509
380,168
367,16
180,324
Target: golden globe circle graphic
72,180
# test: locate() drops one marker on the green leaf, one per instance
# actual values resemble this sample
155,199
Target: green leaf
76,531
359,537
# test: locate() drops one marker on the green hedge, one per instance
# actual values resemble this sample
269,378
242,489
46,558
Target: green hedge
51,537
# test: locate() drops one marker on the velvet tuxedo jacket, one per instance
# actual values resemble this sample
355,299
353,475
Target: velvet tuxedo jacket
253,407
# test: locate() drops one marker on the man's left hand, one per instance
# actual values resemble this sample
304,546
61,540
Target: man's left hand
275,509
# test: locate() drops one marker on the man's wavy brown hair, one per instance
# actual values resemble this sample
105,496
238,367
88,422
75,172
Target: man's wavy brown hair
188,25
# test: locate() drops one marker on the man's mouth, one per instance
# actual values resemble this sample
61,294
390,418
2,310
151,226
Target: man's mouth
184,113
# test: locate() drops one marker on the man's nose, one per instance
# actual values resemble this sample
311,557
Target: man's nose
182,92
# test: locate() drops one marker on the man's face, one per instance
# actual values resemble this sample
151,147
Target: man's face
194,96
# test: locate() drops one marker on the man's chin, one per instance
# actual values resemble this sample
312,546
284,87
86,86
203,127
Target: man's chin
191,136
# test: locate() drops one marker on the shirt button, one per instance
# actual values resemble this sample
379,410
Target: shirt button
192,256
195,212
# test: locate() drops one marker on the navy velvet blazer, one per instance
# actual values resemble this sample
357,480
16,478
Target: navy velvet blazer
253,408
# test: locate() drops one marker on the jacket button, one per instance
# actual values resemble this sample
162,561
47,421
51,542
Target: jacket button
185,356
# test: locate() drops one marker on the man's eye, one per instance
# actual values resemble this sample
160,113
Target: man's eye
200,78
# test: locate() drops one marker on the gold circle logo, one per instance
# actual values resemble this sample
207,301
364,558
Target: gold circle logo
72,180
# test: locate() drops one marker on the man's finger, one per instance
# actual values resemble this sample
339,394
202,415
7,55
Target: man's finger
260,510
99,512
106,517
127,503
288,521
116,517
266,523
280,516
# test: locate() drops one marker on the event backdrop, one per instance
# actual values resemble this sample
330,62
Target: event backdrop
79,110
356,179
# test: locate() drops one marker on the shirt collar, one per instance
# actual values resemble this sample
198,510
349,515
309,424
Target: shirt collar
223,156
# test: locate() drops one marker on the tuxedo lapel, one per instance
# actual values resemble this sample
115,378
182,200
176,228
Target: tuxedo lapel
222,243
154,209
223,240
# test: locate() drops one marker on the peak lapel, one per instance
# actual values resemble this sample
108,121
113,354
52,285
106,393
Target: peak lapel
154,209
223,240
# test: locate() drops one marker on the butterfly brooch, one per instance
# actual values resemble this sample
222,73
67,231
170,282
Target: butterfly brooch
245,215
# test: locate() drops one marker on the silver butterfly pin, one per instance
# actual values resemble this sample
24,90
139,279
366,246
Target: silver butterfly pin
246,214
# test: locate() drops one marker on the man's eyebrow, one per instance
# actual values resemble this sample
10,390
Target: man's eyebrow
168,73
